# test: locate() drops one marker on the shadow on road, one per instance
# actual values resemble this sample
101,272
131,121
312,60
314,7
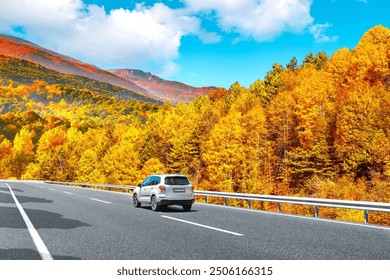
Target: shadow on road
169,209
27,254
23,199
5,197
19,254
7,190
10,218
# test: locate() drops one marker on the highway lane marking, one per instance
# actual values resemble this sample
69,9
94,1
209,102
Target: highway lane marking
67,192
103,201
41,247
204,226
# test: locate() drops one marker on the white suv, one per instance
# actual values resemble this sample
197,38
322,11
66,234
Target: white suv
165,189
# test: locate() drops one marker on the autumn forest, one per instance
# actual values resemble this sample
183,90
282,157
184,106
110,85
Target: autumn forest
319,128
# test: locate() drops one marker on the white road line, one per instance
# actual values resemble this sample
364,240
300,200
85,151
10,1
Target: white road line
67,192
41,247
100,200
204,226
52,189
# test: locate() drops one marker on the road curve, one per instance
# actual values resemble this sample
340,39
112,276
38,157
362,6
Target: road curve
77,223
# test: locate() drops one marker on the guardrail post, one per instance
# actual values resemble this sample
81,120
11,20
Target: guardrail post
205,199
279,208
225,201
366,216
316,212
249,204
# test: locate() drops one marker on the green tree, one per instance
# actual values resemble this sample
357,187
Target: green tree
318,61
293,64
274,82
258,88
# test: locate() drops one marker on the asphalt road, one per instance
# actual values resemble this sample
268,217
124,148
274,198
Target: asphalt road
76,223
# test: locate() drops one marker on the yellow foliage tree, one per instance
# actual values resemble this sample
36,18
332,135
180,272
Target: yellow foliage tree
6,153
23,151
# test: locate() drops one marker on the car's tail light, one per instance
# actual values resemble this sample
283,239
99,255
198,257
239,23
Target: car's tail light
162,188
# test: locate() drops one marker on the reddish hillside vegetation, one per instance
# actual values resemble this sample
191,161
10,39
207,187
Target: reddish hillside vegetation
134,80
160,88
18,48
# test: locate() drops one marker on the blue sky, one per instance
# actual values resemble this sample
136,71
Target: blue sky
198,42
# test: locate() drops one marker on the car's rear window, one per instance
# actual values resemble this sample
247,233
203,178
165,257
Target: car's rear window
176,180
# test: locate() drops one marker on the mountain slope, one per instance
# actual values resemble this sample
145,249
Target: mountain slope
25,72
160,88
18,48
133,80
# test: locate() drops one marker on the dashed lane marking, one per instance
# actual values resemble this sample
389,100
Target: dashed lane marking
103,201
204,226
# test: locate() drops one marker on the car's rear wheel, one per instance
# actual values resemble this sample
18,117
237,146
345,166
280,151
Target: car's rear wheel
135,201
187,207
154,203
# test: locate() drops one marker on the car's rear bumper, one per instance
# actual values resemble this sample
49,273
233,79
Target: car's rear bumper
176,202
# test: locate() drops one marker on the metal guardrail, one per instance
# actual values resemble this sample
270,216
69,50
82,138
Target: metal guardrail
86,185
366,206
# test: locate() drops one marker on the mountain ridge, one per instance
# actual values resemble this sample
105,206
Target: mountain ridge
19,48
155,88
24,72
158,86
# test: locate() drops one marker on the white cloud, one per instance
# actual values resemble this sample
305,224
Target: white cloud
318,31
262,20
128,36
118,38
42,14
149,37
